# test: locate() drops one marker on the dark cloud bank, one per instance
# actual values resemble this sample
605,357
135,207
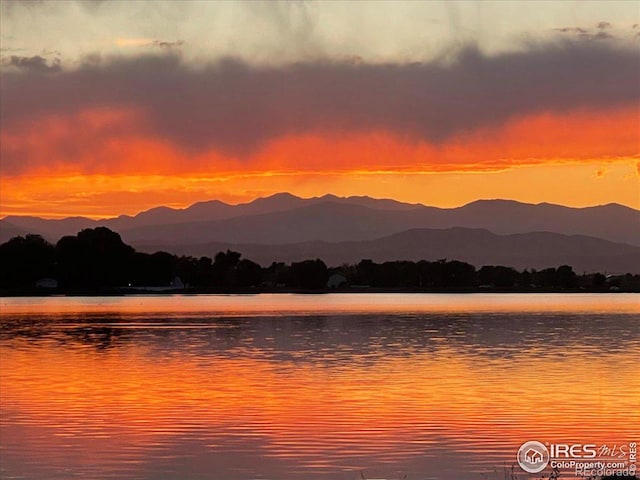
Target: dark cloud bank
236,107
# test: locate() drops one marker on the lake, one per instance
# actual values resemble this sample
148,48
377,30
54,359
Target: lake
336,386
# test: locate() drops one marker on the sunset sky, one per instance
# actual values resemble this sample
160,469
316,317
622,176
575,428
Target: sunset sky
112,107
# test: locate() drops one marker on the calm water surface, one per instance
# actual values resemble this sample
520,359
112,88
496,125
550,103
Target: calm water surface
310,386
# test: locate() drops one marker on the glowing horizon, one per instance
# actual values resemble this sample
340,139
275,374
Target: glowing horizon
233,199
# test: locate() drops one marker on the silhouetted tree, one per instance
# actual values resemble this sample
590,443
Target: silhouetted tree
598,280
94,258
186,269
224,266
24,260
565,277
156,269
497,276
561,277
204,274
545,278
365,273
312,274
524,279
459,274
248,274
277,274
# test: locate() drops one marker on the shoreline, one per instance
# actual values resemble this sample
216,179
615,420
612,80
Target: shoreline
125,292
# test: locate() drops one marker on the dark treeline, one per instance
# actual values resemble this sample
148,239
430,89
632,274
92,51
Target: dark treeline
98,260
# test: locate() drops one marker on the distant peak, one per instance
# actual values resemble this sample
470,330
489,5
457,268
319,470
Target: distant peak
280,196
161,208
496,201
277,200
152,211
547,204
207,203
611,205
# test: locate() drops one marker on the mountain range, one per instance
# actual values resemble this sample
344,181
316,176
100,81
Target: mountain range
284,227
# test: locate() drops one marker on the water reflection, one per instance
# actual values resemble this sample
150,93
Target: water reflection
141,393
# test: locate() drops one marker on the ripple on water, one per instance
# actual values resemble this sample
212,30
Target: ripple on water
417,386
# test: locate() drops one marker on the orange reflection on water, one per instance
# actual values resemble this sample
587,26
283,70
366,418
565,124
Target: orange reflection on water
299,406
378,303
319,392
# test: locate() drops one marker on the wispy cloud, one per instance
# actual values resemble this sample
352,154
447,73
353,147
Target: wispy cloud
603,30
165,44
572,30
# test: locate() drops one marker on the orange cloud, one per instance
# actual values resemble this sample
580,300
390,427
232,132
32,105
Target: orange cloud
104,140
105,162
111,141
